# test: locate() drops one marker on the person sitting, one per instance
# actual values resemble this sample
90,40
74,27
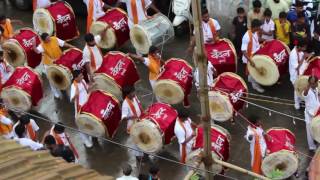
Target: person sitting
20,131
58,150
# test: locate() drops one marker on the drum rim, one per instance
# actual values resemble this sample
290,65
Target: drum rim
180,60
173,83
284,44
108,30
313,125
18,89
244,84
45,11
222,96
60,67
106,77
138,27
250,68
15,42
80,114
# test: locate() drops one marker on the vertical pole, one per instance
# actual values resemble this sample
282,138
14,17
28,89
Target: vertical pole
203,91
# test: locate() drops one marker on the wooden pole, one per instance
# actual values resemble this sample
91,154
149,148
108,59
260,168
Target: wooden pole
201,60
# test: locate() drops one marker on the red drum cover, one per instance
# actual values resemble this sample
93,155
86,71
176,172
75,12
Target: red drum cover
220,142
280,139
105,108
313,67
70,59
26,79
222,55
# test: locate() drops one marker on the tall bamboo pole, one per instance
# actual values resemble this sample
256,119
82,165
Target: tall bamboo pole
203,91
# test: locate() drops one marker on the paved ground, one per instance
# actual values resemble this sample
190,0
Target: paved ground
107,158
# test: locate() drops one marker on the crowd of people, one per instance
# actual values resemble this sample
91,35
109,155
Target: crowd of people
264,21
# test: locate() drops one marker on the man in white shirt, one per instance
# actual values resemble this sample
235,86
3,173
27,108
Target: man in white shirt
297,64
250,44
267,26
211,74
185,135
6,69
30,125
277,6
95,10
137,10
19,131
311,97
126,169
255,134
79,95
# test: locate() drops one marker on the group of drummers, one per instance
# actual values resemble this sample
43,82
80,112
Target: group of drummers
102,87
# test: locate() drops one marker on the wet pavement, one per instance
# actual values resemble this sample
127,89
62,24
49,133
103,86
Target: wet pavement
107,158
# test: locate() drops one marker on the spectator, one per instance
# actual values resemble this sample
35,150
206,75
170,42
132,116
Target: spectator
263,3
126,170
240,28
20,131
58,150
293,14
277,6
300,28
31,127
315,43
255,13
154,173
267,26
283,28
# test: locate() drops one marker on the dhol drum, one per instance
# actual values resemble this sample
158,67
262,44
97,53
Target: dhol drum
100,115
174,82
222,55
225,96
271,61
23,89
155,129
57,19
315,127
220,146
117,71
314,166
155,31
115,36
312,68
281,154
60,72
19,49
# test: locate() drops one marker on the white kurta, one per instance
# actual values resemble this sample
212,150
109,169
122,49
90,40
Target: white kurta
97,8
140,10
263,145
182,134
207,33
34,126
83,94
29,143
86,57
245,43
268,27
293,64
63,137
127,112
210,76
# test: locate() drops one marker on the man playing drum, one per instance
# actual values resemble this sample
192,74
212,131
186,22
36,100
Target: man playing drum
137,10
79,95
296,61
250,44
8,30
211,74
210,29
255,136
92,55
185,134
311,97
30,125
50,48
5,70
153,62
96,9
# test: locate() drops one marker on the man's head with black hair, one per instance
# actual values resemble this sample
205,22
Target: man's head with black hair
24,119
3,19
126,169
58,128
77,75
184,115
299,6
89,38
313,81
205,15
154,170
282,16
256,25
45,37
49,142
129,91
254,120
267,14
301,44
256,6
20,130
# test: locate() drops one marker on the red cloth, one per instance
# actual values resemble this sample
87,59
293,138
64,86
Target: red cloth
313,68
70,59
280,139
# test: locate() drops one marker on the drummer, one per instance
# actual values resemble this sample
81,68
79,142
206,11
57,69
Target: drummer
50,48
185,134
153,62
296,65
210,28
6,24
5,70
79,95
251,44
211,74
137,10
96,9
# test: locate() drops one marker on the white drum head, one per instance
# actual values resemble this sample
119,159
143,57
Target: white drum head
104,83
285,161
91,125
266,72
140,39
301,84
59,76
220,106
15,54
193,156
16,98
109,40
146,136
42,21
168,91
315,128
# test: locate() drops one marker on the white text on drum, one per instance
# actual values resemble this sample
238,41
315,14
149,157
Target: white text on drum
118,68
120,24
64,19
235,96
25,77
28,43
220,54
160,114
288,143
279,57
106,113
181,75
217,145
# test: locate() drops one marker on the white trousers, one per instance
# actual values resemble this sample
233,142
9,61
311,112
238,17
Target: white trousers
311,143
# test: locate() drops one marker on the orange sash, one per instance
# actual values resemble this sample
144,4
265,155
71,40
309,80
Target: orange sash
8,29
77,95
250,44
154,67
90,14
92,58
183,146
133,109
134,10
257,157
60,141
31,133
212,27
4,129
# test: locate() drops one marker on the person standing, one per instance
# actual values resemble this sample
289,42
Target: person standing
127,170
95,10
6,70
30,125
185,135
311,97
255,136
296,64
255,13
267,26
277,6
211,74
79,95
240,28
50,48
7,27
251,44
282,28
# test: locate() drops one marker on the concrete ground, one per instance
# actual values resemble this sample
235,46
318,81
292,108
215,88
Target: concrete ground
107,158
